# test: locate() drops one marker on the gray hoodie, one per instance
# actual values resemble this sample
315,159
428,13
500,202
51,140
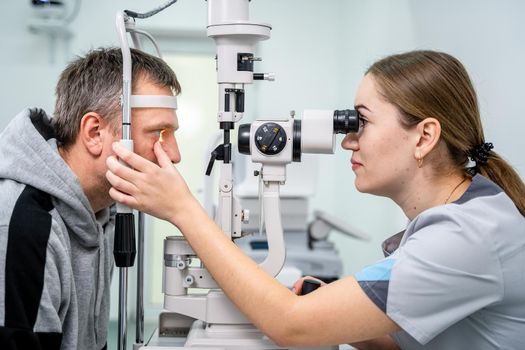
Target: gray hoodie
55,253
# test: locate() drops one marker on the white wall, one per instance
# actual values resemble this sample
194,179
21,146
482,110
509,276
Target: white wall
489,38
319,51
30,65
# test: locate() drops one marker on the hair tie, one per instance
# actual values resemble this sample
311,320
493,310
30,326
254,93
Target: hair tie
480,154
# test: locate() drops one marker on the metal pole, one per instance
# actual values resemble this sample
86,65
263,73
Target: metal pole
122,308
139,330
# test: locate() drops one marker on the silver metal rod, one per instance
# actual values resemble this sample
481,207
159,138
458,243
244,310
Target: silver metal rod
139,330
126,110
122,308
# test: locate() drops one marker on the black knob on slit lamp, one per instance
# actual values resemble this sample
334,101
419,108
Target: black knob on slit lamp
124,249
309,286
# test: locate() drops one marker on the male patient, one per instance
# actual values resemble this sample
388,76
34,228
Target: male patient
56,230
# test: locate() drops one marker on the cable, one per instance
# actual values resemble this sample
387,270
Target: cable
150,13
74,12
150,37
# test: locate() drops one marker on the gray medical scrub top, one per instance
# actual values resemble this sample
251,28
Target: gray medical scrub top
455,279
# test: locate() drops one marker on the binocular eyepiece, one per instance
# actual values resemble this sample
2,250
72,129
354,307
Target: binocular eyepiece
345,121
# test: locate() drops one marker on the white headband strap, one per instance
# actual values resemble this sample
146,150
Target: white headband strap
153,101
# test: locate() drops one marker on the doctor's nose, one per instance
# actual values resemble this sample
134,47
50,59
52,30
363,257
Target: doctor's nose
350,142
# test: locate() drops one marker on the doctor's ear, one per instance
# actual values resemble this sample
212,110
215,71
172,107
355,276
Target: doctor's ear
429,133
93,130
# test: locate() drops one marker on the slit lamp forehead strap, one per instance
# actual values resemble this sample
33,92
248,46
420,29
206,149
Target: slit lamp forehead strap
154,101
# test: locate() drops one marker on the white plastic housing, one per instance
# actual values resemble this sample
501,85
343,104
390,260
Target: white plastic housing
317,131
221,11
232,39
281,158
229,26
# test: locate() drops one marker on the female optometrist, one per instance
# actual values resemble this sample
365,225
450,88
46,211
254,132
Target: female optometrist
454,279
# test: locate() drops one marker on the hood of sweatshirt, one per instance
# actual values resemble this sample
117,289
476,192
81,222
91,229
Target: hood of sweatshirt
29,155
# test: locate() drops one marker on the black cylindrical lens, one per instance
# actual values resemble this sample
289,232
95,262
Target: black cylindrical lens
243,139
296,150
345,121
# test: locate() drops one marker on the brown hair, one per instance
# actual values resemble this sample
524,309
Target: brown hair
93,83
425,84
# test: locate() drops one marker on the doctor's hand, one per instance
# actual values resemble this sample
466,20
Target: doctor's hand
158,190
298,285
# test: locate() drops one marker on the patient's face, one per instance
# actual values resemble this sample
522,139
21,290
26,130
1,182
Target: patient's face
150,124
147,126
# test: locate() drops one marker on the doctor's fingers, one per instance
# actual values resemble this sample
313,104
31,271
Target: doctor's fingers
123,198
162,157
121,184
298,285
121,170
132,159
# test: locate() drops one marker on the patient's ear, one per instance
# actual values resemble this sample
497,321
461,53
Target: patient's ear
92,133
429,131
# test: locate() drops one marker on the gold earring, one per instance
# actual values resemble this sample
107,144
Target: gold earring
419,162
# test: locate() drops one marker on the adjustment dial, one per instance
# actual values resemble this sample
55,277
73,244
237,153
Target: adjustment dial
270,138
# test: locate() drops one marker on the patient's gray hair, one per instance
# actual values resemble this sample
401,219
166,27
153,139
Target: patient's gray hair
93,83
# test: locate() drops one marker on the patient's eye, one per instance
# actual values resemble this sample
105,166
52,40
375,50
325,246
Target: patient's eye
161,135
